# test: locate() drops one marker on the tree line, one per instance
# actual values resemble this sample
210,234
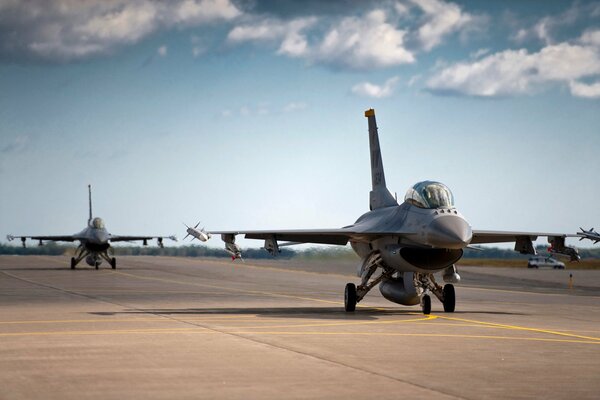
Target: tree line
315,253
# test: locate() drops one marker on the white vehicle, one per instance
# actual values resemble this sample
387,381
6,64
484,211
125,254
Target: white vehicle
541,261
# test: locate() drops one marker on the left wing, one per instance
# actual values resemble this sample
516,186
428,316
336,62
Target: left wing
524,241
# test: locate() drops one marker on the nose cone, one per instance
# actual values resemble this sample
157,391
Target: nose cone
449,232
99,237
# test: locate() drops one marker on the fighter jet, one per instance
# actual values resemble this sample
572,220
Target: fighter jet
591,234
403,245
94,241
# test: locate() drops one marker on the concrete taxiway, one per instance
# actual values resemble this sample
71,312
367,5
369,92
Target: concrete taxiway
160,327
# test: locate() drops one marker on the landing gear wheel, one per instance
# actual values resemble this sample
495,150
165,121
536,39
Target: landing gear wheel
449,298
113,263
426,304
97,264
72,263
350,297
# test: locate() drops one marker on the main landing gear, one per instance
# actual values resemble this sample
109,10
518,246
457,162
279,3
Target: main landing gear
370,264
425,284
399,287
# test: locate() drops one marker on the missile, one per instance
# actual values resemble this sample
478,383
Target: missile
591,235
201,234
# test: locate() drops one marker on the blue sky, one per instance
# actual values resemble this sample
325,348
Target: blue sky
249,114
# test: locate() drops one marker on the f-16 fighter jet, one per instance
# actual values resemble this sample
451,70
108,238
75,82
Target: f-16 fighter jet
94,241
403,245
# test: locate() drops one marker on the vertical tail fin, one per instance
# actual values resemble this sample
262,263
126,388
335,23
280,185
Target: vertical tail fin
380,196
90,198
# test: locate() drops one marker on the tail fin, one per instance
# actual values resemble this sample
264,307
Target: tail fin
380,196
90,198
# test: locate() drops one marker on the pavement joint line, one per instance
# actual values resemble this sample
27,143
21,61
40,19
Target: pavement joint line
227,289
537,330
462,286
354,323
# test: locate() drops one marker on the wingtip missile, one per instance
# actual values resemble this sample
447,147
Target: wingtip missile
591,235
200,234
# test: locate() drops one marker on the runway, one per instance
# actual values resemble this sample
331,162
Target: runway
160,327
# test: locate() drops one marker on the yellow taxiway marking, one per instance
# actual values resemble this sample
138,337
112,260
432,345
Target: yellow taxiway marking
520,328
203,331
157,318
481,323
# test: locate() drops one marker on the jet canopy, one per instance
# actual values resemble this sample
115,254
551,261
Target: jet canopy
429,194
97,223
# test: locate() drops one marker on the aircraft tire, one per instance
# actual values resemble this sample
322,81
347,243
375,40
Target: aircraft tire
426,304
97,265
72,263
113,263
449,298
350,297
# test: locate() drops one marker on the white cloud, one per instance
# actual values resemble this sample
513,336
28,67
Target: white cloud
368,89
441,19
591,91
513,72
64,30
354,43
289,33
364,43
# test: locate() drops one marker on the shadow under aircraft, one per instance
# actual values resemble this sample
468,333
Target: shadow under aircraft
94,241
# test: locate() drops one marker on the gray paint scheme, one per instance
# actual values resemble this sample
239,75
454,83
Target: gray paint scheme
407,242
94,240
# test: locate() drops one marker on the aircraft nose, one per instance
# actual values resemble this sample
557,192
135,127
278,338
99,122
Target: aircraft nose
449,232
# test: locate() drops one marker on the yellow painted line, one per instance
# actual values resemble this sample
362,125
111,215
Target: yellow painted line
159,318
202,331
521,328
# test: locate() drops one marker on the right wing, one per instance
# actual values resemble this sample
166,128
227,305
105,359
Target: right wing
64,238
318,236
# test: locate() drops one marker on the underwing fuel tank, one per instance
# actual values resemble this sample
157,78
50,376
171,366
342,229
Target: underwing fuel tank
400,290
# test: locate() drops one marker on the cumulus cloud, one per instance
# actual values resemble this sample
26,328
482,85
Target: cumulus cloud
364,43
289,33
514,72
441,20
65,30
579,89
369,89
350,42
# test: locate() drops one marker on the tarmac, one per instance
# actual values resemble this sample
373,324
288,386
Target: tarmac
190,328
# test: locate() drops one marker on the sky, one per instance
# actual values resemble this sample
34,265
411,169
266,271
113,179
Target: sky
250,114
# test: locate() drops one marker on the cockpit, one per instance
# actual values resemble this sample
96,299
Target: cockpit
97,223
429,194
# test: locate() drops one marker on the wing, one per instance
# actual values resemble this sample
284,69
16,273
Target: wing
481,237
318,236
123,238
524,241
58,238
